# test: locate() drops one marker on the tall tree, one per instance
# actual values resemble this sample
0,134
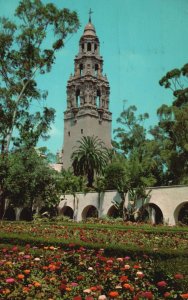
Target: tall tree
28,48
89,158
132,133
172,128
142,160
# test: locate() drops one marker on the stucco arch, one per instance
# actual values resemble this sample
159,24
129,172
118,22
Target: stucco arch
180,212
10,214
112,212
90,211
67,211
152,212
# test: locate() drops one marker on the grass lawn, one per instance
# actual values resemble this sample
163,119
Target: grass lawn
43,260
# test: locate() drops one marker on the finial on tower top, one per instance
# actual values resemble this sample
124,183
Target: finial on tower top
90,12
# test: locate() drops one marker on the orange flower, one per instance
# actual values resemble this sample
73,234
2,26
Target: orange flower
113,294
36,284
27,271
6,291
52,267
52,248
25,289
128,287
184,296
52,279
20,276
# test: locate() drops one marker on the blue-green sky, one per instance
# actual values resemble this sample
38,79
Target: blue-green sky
140,40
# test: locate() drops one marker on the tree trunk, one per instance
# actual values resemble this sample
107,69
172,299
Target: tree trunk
90,178
2,204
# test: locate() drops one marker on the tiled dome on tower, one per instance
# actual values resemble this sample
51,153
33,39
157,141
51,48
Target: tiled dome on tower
88,91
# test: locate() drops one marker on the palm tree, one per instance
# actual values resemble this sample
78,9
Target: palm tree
89,158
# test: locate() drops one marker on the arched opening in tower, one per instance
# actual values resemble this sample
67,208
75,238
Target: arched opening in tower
95,47
78,98
98,99
88,46
96,70
81,69
83,47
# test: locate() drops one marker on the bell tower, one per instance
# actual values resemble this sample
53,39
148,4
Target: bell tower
88,91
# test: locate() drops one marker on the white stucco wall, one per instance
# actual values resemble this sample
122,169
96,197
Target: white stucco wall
82,201
168,199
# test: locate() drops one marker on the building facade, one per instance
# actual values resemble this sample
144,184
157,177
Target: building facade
88,92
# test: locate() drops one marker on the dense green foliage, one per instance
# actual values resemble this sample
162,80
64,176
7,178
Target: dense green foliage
172,129
158,155
29,181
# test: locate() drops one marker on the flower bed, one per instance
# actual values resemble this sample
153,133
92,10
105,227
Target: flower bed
124,238
47,272
66,261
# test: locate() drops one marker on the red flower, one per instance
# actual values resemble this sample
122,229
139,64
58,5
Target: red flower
63,287
147,295
77,298
178,276
123,278
136,267
166,295
161,283
15,248
184,296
